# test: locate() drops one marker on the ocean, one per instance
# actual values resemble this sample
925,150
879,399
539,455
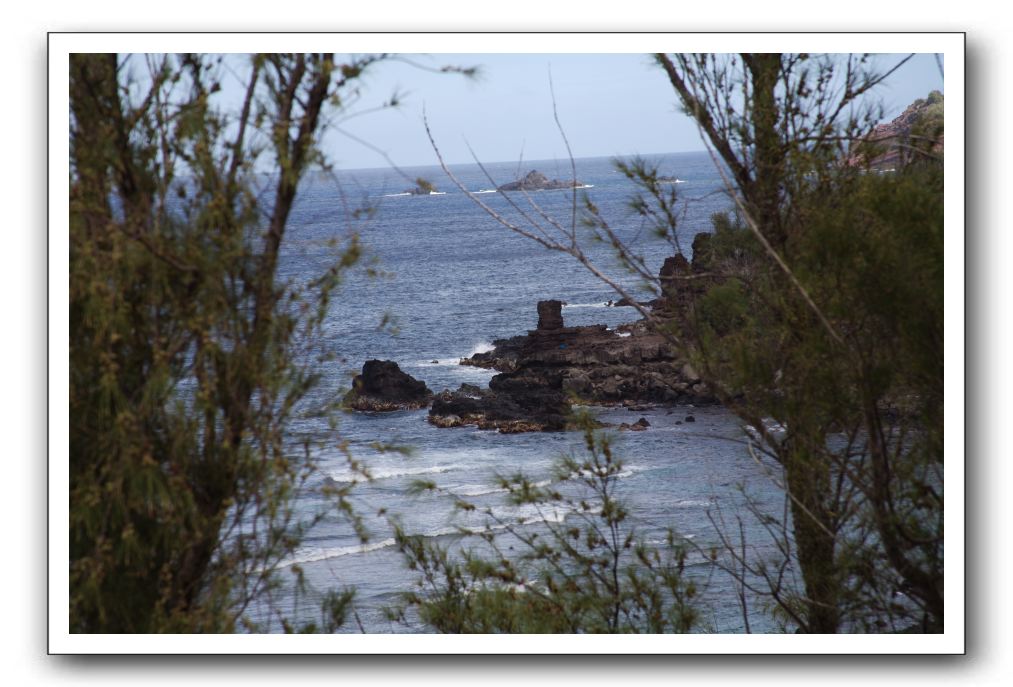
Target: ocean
441,280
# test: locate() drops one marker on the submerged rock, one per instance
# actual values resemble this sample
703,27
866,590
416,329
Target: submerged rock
382,386
638,426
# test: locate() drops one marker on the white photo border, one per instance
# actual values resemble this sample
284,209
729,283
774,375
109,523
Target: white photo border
61,45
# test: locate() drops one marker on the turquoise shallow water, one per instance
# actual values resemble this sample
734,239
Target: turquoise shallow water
453,280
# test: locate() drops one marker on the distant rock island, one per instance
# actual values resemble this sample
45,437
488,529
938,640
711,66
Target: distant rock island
422,187
536,181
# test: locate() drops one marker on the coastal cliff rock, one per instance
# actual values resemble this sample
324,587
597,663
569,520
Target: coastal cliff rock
382,386
536,181
919,128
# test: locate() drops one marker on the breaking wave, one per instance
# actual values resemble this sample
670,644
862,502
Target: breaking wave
527,514
389,473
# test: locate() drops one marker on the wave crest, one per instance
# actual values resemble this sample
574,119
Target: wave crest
390,473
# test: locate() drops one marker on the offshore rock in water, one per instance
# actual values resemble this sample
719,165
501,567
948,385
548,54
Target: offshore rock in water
545,370
632,366
638,426
515,402
382,386
536,181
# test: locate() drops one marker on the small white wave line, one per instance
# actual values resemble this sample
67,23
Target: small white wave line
314,555
389,473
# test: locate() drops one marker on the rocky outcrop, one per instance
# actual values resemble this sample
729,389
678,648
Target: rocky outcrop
597,365
423,187
545,370
382,386
550,315
638,426
536,181
514,402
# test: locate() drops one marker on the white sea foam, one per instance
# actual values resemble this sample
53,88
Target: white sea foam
476,490
663,541
530,513
692,503
586,305
485,489
480,347
769,425
312,555
441,361
406,193
388,473
527,514
628,472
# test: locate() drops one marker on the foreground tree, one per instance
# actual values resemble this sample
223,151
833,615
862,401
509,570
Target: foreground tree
833,326
189,358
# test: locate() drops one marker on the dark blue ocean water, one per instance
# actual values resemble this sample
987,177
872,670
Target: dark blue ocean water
441,280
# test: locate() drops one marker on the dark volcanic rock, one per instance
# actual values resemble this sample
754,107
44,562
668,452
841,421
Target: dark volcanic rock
598,365
383,386
536,181
638,426
515,402
503,356
627,303
550,315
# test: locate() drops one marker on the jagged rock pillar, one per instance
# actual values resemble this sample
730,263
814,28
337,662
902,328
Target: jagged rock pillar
550,315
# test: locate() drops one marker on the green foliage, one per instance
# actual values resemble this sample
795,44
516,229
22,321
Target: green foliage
185,370
822,311
929,124
862,453
580,568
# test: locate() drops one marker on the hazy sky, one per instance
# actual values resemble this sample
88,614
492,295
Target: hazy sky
609,104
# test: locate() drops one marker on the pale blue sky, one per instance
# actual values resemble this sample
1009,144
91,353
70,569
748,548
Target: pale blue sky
609,104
